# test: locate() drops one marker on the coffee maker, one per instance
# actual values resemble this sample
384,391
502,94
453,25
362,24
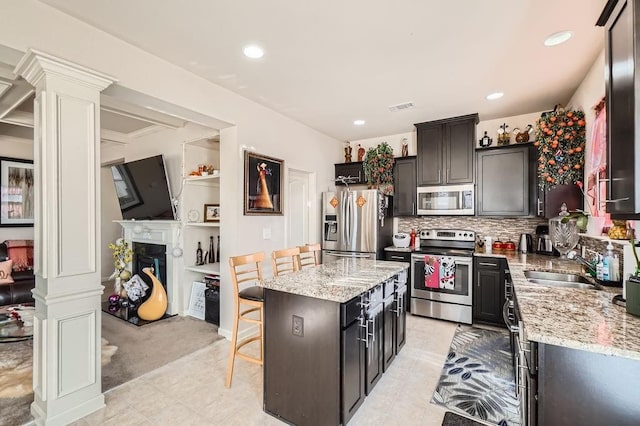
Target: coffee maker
543,242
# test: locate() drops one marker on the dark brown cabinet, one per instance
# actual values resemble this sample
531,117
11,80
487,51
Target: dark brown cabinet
404,183
446,151
505,181
549,201
488,290
352,171
620,19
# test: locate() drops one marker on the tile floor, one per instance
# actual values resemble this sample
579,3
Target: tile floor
190,391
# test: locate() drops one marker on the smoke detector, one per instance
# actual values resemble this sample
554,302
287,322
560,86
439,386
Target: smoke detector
400,107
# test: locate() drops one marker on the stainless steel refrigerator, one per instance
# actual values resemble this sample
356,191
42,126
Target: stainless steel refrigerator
356,224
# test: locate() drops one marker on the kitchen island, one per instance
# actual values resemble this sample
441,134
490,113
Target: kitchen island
329,331
579,353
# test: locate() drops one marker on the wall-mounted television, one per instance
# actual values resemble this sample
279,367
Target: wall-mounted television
143,189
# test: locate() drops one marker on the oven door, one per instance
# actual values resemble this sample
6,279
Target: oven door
455,277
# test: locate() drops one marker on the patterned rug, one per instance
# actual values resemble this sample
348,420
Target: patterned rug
477,377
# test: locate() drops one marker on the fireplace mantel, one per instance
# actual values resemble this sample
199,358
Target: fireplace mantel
165,232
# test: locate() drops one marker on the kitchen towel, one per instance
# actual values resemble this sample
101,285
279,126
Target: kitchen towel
447,272
431,272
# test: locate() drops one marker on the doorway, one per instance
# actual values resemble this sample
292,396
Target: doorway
300,208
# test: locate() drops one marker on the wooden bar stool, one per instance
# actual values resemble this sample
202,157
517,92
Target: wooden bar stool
246,269
309,255
285,261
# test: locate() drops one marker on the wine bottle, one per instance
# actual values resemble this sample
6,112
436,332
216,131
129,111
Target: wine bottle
199,255
212,255
218,250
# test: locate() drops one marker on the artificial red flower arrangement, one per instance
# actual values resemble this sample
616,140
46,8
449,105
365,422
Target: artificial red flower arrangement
560,139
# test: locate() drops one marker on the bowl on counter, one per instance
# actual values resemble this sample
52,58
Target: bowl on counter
401,240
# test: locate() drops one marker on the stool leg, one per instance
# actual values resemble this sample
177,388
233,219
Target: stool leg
234,347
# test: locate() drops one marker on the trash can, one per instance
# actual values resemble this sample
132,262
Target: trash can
212,305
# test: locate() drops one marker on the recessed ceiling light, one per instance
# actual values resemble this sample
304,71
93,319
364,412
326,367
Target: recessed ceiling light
252,51
557,38
359,122
494,96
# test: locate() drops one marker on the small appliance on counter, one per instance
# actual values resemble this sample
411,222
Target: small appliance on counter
526,243
543,241
401,240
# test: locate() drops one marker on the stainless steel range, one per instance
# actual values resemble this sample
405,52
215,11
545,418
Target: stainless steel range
442,275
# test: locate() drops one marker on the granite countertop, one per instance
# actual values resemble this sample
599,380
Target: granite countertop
573,318
402,249
337,281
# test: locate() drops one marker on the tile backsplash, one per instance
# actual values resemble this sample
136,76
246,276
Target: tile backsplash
498,228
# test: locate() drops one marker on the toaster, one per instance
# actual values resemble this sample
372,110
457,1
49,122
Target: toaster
401,240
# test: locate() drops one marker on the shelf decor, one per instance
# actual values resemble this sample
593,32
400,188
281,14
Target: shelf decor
560,139
378,167
212,212
262,184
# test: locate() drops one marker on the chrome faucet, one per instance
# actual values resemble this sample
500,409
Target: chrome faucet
573,255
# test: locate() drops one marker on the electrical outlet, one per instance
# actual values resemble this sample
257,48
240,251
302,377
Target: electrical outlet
266,233
297,326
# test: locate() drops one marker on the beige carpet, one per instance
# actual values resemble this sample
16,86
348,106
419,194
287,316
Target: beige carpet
128,351
142,349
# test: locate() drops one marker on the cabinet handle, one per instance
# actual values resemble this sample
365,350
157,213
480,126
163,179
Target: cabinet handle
539,207
617,200
413,207
397,257
495,265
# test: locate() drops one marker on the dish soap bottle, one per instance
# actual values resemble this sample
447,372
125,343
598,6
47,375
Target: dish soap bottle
607,263
599,268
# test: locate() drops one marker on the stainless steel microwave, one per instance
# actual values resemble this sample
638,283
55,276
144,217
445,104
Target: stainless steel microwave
446,200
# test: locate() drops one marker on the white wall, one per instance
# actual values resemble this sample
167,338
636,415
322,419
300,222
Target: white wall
587,96
23,149
29,24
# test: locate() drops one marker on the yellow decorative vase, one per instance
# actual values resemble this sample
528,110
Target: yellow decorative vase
156,305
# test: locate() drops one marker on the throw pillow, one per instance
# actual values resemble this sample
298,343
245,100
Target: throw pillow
5,272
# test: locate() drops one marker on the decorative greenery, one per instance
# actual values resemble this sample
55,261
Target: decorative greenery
122,256
378,165
560,139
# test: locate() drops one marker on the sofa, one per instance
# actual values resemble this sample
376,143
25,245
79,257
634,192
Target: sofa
16,272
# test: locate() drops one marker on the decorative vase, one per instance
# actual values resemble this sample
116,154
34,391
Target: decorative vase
156,305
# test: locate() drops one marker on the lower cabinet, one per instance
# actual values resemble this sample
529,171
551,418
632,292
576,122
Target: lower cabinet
401,256
390,323
401,317
374,351
577,387
352,359
488,290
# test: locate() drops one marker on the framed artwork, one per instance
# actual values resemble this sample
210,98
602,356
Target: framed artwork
262,184
211,212
16,192
197,301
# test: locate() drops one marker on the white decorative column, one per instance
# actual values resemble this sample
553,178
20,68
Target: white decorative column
67,346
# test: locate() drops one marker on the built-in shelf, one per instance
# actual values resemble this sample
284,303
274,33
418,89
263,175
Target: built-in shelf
201,178
204,224
207,268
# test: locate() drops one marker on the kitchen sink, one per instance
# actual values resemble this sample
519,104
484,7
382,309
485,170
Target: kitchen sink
555,279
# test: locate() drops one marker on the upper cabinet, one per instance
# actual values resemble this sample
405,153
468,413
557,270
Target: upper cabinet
404,182
505,181
352,172
446,151
621,18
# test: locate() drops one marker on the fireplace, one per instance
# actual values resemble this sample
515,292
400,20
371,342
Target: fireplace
157,244
154,256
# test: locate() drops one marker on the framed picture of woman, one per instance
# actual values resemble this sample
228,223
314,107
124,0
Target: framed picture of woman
262,184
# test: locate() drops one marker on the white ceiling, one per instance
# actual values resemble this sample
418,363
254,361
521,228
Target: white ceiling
329,62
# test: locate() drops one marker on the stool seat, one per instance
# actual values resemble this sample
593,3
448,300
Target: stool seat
252,293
